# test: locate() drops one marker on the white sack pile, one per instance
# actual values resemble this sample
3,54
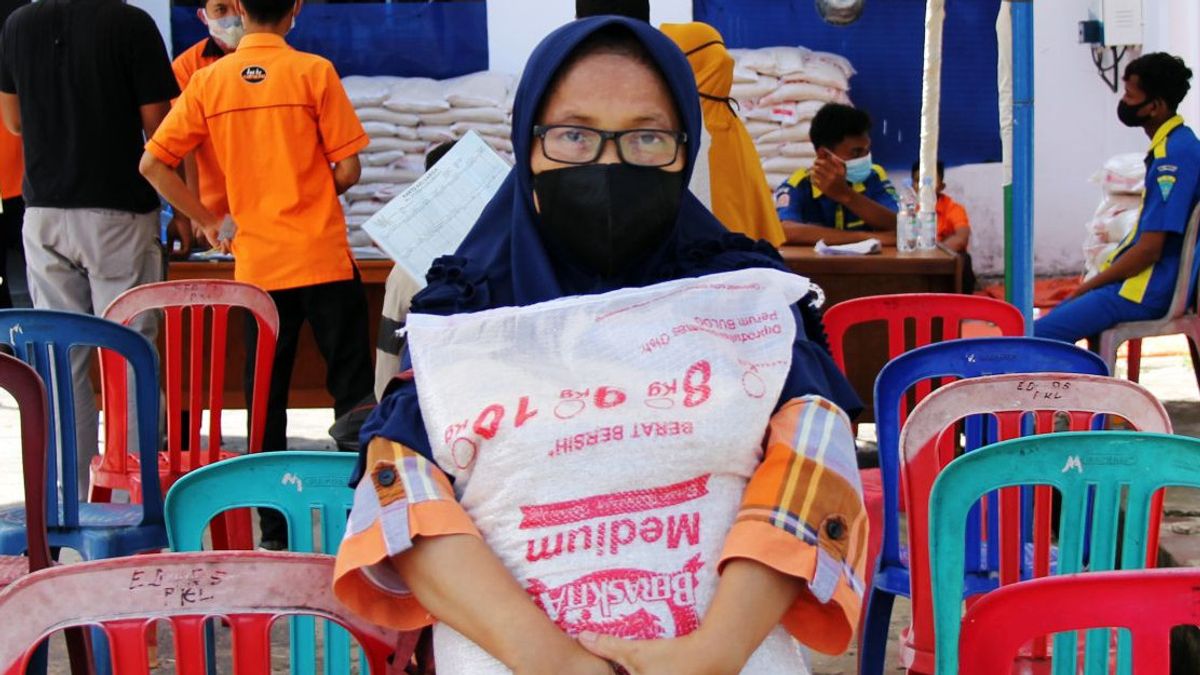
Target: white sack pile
407,117
1121,182
779,90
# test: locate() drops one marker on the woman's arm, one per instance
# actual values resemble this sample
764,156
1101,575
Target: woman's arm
459,580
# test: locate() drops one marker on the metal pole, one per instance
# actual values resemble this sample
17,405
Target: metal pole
1019,247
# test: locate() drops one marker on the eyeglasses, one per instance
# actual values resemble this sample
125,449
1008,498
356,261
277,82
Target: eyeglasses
571,144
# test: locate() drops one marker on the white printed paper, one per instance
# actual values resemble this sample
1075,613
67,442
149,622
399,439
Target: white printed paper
431,218
867,247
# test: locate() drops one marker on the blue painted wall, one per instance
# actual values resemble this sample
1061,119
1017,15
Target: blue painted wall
427,39
886,46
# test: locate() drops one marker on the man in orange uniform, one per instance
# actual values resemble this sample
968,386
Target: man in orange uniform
278,120
953,225
201,170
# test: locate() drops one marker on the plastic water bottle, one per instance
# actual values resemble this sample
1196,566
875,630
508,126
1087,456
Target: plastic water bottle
927,230
906,221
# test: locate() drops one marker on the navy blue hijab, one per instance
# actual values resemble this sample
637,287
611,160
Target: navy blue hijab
504,262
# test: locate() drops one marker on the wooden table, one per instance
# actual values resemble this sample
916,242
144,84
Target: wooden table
847,277
308,375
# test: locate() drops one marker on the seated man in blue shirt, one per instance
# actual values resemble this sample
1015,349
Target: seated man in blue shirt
844,198
1138,280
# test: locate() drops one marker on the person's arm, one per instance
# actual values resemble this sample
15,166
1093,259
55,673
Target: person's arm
167,182
10,110
958,241
829,175
346,173
1141,255
804,234
152,116
459,580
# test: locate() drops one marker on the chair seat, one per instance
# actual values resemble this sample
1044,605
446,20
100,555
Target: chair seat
1143,329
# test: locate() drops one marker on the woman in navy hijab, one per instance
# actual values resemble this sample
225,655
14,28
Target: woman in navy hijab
589,210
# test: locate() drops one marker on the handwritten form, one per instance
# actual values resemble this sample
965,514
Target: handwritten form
431,218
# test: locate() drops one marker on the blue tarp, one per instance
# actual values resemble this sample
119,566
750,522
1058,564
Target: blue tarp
886,46
426,39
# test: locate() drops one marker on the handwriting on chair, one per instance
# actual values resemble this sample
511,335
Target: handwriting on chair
290,478
178,587
1044,391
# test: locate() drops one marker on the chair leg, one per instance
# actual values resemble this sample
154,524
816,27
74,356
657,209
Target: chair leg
78,651
1133,360
872,649
1192,347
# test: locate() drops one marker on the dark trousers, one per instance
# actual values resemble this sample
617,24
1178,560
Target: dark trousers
10,239
337,313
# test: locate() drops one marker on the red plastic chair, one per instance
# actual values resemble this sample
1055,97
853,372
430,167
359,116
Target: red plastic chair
201,302
1148,603
23,383
902,314
930,441
249,590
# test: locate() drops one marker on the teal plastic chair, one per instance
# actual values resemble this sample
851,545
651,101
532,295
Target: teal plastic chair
1103,466
297,484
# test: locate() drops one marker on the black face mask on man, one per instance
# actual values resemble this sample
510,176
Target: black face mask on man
607,216
1128,113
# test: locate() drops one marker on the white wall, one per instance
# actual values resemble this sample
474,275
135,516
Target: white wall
515,27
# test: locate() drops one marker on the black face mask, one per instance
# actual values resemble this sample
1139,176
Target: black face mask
1128,113
607,216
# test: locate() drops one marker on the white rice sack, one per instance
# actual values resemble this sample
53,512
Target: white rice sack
417,95
823,73
363,191
745,91
374,129
797,133
835,60
788,165
1112,225
478,90
802,91
497,130
774,180
388,175
768,149
757,129
389,192
1116,203
367,91
366,208
755,60
789,60
799,150
396,144
1122,174
356,222
374,114
382,158
755,113
456,115
433,134
359,238
501,145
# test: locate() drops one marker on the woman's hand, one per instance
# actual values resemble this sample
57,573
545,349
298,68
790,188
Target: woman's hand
694,654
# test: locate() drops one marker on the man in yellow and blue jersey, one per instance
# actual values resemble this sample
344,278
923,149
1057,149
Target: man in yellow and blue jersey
1138,280
845,197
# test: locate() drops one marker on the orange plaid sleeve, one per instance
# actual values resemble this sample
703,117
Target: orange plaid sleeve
803,516
402,496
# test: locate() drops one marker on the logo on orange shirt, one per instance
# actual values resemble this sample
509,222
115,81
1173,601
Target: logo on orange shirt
254,74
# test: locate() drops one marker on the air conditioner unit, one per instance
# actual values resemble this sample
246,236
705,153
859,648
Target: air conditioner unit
1120,21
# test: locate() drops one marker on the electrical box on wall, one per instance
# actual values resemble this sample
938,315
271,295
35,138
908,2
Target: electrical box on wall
1120,23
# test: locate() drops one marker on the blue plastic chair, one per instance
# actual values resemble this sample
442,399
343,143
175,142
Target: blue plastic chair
1100,475
297,484
954,359
44,340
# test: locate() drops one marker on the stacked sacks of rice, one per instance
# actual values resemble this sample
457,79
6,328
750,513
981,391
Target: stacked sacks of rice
779,90
405,118
1121,180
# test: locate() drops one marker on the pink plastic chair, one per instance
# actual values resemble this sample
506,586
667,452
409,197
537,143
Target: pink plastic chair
929,442
126,596
1148,603
207,301
26,387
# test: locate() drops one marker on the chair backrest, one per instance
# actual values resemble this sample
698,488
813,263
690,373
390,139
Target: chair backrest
297,484
44,339
1010,406
922,310
1148,603
1187,258
967,358
187,306
23,383
125,596
1109,471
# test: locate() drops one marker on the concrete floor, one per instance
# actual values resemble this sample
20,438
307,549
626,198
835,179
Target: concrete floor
1166,372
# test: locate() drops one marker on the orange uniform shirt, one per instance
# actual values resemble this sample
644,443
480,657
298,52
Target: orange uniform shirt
12,165
210,179
277,118
951,217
